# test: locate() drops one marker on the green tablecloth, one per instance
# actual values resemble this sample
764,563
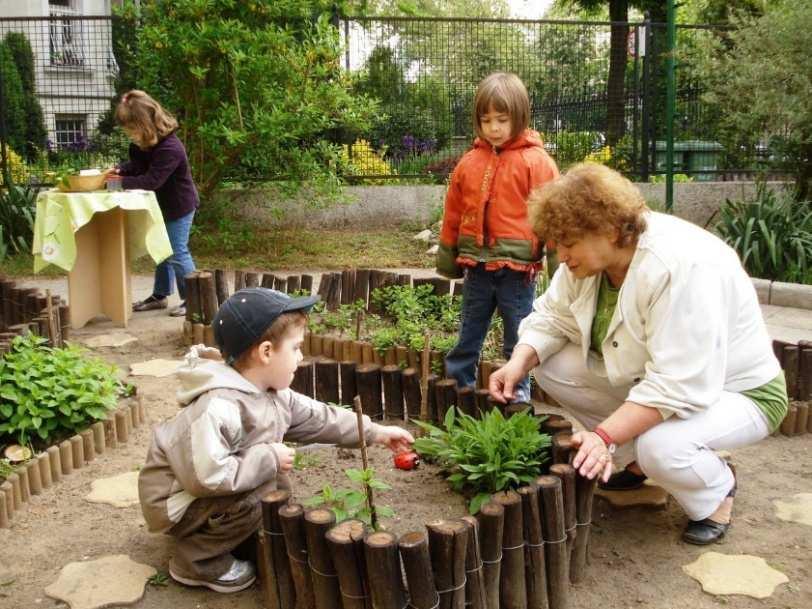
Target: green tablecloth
61,214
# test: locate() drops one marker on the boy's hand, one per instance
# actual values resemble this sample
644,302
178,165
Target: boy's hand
285,455
394,438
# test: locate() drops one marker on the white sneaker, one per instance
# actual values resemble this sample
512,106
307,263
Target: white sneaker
239,577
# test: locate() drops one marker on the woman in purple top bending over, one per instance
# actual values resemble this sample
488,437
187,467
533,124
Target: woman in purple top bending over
158,162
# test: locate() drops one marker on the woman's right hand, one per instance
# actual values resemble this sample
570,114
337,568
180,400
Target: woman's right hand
503,381
111,171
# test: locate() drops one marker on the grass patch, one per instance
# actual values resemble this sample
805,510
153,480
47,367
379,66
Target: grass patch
294,249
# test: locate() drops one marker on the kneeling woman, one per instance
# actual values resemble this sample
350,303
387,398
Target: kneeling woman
651,335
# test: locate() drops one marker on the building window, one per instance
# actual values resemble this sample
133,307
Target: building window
65,34
71,131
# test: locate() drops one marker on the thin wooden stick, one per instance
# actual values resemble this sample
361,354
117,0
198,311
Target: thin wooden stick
424,378
359,413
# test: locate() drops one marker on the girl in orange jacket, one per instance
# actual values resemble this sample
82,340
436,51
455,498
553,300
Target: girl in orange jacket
486,235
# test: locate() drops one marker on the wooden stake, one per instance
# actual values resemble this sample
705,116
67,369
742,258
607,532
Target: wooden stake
25,483
789,423
383,570
466,401
414,551
122,431
512,587
368,381
98,437
349,387
584,494
535,568
483,405
87,444
555,538
327,381
424,377
346,544
252,279
221,286
325,579
474,578
208,297
193,313
44,463
294,283
291,518
110,435
78,451
7,497
491,519
567,474
359,414
66,455
446,392
54,457
802,418
447,547
303,379
562,447
791,364
34,478
347,286
53,329
16,490
411,392
272,556
239,280
392,391
306,285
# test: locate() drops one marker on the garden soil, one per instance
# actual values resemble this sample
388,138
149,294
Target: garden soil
636,555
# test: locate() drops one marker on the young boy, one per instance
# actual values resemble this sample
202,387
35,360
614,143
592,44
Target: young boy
209,466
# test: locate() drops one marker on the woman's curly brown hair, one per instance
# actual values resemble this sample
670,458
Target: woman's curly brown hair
589,198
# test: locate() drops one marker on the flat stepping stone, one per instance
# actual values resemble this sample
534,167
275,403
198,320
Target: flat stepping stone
797,509
116,339
648,496
156,367
119,491
92,584
735,574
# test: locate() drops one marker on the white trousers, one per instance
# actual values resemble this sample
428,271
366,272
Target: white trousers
677,453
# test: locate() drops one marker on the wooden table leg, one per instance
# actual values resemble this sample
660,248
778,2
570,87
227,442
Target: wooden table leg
99,283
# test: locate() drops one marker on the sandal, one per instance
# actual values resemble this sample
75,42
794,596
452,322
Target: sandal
625,480
705,532
148,304
178,311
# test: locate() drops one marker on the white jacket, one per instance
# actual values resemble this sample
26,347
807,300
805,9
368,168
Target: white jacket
687,326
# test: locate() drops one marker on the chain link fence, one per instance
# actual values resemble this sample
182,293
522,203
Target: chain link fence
58,80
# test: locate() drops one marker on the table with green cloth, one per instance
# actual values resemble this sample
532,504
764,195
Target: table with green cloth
93,236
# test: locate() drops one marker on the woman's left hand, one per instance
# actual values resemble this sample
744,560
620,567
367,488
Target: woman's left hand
593,456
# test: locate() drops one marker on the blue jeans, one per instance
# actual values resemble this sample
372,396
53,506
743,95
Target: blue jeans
483,292
180,263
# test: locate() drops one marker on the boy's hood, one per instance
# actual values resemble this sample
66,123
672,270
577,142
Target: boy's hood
526,139
202,373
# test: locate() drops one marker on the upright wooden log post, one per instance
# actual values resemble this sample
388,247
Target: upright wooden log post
791,365
553,426
535,566
562,447
272,554
383,570
303,378
280,284
327,381
252,279
208,297
268,281
466,401
584,494
368,381
347,286
474,578
34,478
425,389
392,391
482,398
446,394
567,474
55,458
448,547
306,284
512,587
325,579
411,392
555,541
349,387
78,451
491,519
44,461
414,551
346,544
361,286
291,519
221,286
294,283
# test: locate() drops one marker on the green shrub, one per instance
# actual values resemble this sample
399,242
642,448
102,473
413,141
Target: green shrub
17,212
487,455
570,147
12,99
23,57
49,392
772,235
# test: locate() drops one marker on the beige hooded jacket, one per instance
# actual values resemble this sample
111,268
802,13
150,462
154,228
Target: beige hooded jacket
220,442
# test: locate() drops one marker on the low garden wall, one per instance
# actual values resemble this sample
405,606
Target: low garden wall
388,205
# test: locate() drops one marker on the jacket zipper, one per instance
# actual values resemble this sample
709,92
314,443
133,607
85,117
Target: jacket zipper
482,257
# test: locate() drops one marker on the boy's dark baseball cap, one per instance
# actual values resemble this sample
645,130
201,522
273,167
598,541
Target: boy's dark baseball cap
244,317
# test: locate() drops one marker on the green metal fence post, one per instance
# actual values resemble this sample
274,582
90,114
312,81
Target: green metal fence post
670,110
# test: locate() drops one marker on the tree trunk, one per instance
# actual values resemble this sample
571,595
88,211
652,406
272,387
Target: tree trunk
615,86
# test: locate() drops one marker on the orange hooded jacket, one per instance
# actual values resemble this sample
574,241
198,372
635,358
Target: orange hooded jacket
485,217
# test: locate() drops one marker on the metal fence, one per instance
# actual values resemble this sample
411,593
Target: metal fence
58,79
57,85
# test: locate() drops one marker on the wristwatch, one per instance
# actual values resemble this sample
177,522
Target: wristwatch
607,439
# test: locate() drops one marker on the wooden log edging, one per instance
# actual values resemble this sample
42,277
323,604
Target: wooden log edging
796,363
24,310
47,468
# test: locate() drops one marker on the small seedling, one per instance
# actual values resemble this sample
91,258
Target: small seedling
159,579
351,503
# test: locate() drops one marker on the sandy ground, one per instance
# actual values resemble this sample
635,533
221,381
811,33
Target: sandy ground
636,555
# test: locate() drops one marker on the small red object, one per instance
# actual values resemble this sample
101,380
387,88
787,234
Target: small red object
407,460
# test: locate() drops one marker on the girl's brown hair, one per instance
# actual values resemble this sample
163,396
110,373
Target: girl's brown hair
503,92
145,117
589,198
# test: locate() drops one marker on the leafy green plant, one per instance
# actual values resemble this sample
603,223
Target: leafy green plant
483,456
352,503
17,212
48,391
159,579
6,469
772,235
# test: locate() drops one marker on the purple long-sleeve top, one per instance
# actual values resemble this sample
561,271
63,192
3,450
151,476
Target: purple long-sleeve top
163,168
